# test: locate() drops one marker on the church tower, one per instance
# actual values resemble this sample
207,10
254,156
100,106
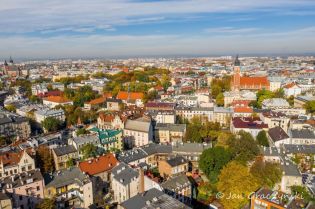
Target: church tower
237,74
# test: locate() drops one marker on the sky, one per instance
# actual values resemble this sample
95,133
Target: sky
135,28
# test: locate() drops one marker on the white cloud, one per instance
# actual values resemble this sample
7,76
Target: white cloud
232,30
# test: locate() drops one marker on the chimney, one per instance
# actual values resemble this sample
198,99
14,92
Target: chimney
141,176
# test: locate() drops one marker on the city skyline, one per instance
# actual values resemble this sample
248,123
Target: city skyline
121,28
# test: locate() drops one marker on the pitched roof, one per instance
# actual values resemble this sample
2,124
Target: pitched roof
248,122
138,125
124,173
97,101
57,99
254,81
98,165
176,161
290,85
63,150
277,134
243,110
11,158
124,95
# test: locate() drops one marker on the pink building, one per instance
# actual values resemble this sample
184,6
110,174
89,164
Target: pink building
25,189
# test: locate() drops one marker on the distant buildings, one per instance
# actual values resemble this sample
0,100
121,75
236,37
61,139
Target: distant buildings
12,125
53,101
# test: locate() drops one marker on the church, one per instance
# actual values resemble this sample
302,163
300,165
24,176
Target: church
247,83
11,70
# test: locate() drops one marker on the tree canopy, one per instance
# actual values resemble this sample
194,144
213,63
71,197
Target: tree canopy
267,173
89,150
52,124
236,183
262,138
45,159
244,148
212,161
310,107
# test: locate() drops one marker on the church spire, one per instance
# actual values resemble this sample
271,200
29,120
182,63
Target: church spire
237,61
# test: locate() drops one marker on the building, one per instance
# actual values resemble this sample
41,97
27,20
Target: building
5,201
70,187
179,187
277,136
204,113
109,138
41,114
265,198
53,101
153,199
125,182
222,115
12,125
95,103
250,125
302,136
163,116
131,98
14,163
110,121
159,106
275,103
292,89
169,133
100,166
63,154
300,101
113,104
274,119
138,132
275,83
80,141
25,189
173,166
247,83
12,70
190,151
39,89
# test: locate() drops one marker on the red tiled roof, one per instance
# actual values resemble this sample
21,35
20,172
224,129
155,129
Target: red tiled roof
243,110
98,165
290,85
254,81
96,101
11,158
248,122
57,99
124,95
106,117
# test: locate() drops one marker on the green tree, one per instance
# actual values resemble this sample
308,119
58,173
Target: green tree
45,159
235,179
82,131
279,93
244,147
165,81
262,95
267,173
10,108
47,203
89,150
212,161
220,99
262,138
70,163
215,90
52,124
290,100
310,107
303,193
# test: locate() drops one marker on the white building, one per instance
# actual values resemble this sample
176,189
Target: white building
138,132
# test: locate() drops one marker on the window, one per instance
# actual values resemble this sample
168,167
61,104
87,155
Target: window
37,188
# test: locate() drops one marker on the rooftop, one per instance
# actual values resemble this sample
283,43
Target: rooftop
99,164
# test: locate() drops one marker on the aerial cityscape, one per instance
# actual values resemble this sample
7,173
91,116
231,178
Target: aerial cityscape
157,104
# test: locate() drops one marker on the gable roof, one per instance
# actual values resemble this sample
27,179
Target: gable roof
248,122
277,134
254,81
11,158
98,165
57,99
124,95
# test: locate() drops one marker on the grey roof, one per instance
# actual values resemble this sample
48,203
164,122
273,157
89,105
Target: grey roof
3,196
176,161
277,134
48,112
171,127
222,110
7,117
176,183
305,98
153,148
65,177
63,150
153,199
289,168
305,149
131,155
83,139
124,174
141,125
23,178
190,147
270,151
302,133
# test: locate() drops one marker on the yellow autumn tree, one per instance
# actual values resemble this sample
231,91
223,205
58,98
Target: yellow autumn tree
235,185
